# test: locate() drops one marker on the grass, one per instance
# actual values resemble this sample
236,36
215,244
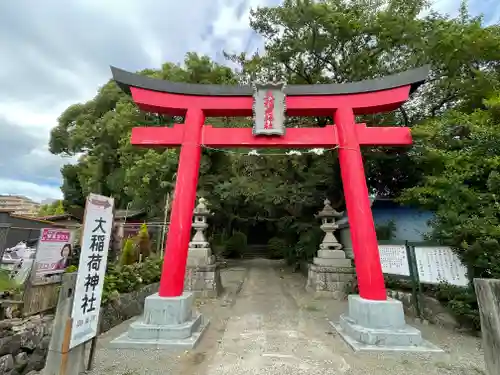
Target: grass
6,283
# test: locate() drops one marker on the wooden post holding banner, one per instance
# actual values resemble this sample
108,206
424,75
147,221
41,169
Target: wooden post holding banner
488,298
61,359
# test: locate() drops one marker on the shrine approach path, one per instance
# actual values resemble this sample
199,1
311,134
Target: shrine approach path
267,324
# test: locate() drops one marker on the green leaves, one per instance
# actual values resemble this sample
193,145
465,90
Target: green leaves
452,168
460,155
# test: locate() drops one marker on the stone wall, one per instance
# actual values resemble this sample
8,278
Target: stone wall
432,310
203,281
126,306
24,342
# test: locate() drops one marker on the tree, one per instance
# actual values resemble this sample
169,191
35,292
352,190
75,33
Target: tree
54,208
460,156
306,42
99,130
341,41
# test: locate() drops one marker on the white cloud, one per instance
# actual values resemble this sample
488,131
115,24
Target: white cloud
29,189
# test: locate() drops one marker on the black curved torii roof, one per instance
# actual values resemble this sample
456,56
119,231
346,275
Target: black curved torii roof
413,78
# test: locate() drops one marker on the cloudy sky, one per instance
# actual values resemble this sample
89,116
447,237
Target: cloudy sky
55,53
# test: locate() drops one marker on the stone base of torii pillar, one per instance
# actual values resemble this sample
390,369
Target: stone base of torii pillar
331,272
171,323
166,323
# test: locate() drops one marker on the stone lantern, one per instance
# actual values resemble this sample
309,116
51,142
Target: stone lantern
202,272
199,241
330,271
328,216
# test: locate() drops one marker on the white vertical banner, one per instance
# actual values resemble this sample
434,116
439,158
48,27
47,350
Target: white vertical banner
96,235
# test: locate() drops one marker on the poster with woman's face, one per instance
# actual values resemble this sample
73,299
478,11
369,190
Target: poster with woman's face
53,251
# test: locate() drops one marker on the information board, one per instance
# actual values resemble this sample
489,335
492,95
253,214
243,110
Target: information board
437,264
394,260
98,221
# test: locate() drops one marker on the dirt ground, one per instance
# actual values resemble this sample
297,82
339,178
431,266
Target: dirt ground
265,323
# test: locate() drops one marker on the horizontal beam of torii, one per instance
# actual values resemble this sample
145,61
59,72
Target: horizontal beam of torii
342,102
294,137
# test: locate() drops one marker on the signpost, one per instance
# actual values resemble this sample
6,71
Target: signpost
95,240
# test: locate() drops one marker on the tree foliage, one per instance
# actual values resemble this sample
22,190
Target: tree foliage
307,41
460,156
54,208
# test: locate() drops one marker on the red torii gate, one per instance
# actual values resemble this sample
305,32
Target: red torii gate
197,101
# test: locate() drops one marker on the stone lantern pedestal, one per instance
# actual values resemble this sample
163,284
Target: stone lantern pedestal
202,272
331,271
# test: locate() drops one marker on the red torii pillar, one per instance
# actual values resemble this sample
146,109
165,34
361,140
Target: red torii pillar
197,101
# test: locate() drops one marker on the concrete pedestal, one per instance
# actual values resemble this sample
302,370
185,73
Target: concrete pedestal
203,280
330,274
380,325
167,323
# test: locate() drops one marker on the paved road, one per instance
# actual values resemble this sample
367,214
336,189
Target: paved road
268,333
266,323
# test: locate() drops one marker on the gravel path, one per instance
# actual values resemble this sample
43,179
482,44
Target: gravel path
266,324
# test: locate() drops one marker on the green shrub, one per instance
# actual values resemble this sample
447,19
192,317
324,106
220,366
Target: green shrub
236,245
72,268
129,253
306,247
6,283
143,242
461,302
129,277
385,232
218,244
277,248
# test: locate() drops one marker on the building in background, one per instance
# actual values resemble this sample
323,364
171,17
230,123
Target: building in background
410,223
19,205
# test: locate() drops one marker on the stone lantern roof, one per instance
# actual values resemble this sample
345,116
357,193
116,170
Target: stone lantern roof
328,211
201,209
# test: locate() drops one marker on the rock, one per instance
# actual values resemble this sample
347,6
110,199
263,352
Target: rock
10,345
31,337
44,343
444,319
36,362
21,359
6,363
437,313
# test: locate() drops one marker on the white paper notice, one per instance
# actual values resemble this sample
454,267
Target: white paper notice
394,259
437,264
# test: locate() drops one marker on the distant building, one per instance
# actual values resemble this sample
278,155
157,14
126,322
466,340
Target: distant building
411,223
68,220
19,205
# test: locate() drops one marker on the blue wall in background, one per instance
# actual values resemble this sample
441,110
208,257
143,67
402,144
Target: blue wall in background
411,223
